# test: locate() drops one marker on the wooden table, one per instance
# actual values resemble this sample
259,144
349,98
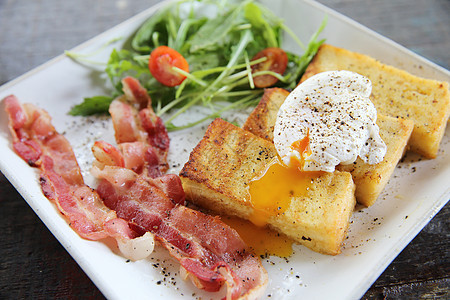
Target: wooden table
32,262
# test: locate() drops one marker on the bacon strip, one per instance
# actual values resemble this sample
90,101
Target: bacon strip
137,127
137,198
41,146
211,253
229,256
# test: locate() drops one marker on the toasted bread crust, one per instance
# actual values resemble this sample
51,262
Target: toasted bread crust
220,158
225,161
395,93
262,119
370,180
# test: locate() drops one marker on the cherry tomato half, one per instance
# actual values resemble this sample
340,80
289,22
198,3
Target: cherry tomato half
160,64
276,61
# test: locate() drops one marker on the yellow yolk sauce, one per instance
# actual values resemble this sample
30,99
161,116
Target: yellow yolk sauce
271,193
262,240
302,147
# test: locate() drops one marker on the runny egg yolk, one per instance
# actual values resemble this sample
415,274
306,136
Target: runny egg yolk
302,147
262,240
272,192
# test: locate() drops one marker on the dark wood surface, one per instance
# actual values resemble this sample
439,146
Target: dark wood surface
32,262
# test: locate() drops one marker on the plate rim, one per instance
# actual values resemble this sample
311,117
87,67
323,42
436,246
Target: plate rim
358,291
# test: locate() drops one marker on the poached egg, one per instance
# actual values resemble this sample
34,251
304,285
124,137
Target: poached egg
329,120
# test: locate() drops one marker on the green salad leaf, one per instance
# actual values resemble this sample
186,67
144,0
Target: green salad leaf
92,105
218,39
215,32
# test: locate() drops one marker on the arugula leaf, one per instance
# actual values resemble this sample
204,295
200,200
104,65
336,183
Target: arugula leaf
254,14
143,39
92,106
297,65
212,34
204,61
124,63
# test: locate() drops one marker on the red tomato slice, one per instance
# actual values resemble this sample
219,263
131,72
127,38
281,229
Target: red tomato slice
160,64
276,61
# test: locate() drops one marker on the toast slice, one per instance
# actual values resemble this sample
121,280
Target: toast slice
370,180
261,120
395,93
224,162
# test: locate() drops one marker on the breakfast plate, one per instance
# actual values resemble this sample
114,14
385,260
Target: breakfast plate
415,193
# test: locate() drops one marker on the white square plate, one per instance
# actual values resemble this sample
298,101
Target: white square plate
415,193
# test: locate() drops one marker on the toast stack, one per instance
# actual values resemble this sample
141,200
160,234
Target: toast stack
370,180
412,113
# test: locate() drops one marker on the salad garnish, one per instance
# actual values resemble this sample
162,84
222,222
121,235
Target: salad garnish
198,53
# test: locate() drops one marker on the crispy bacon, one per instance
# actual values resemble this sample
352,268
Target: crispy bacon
150,123
134,199
210,253
38,143
138,128
228,256
136,156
